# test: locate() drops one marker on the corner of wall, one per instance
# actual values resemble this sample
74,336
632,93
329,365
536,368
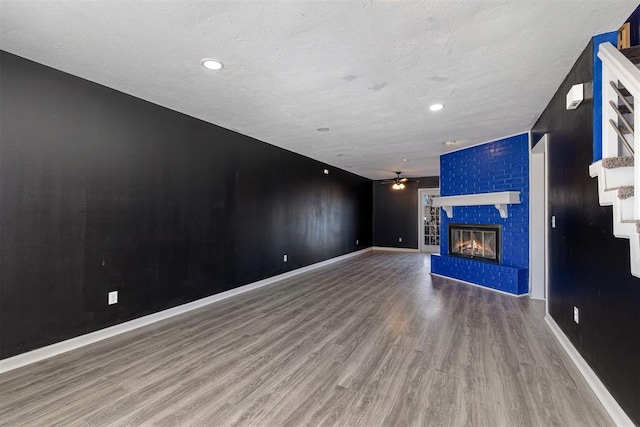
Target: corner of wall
611,37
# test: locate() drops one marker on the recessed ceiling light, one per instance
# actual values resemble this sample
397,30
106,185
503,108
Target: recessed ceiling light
212,64
436,107
450,142
405,160
323,129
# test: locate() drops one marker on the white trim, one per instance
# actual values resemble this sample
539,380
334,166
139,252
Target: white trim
434,191
93,337
626,230
613,408
390,249
624,69
540,149
616,68
547,216
500,200
430,249
480,286
485,142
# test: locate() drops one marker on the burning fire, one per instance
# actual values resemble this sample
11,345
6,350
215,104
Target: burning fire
474,243
475,248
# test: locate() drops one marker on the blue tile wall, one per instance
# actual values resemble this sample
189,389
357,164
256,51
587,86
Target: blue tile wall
612,38
504,278
501,165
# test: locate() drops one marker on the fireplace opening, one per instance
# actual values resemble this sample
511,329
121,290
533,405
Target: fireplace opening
477,241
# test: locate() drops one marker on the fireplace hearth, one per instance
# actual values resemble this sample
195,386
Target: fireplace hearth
477,241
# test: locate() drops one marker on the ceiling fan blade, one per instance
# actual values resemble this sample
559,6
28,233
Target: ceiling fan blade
403,180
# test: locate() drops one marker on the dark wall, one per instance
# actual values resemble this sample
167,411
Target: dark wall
395,213
102,191
589,267
634,21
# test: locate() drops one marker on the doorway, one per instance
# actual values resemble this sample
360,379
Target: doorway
428,220
538,215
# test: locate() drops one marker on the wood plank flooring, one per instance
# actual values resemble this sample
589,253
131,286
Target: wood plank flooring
372,341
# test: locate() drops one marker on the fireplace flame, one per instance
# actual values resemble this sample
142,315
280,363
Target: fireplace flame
474,247
470,242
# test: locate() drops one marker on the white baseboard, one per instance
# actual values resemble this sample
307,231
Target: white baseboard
613,408
480,286
389,249
90,338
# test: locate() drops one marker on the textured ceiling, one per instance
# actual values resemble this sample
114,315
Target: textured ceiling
368,70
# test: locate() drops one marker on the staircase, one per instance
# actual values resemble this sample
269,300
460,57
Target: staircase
618,178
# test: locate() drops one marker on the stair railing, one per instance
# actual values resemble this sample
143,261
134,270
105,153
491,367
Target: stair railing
618,71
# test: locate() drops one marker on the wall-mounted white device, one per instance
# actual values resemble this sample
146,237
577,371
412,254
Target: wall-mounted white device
112,297
575,96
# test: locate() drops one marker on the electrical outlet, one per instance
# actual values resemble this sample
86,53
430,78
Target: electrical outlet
399,239
285,258
576,315
113,297
357,242
553,221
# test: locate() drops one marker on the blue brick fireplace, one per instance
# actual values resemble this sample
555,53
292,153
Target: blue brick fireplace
497,166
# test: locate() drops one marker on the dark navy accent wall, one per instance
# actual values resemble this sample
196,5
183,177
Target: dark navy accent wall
612,38
395,213
501,165
634,21
102,191
588,265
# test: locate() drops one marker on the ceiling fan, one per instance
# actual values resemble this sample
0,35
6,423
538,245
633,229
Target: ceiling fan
398,182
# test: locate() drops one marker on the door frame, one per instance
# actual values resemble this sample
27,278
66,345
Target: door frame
539,226
435,191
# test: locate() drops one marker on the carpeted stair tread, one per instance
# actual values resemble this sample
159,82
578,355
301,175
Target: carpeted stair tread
633,53
624,109
625,192
617,162
624,92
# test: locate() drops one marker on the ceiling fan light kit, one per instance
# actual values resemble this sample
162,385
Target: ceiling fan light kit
398,183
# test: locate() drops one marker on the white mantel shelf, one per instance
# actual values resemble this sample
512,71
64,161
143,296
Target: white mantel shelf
500,200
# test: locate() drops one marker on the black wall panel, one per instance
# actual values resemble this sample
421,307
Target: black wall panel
589,267
634,26
395,213
102,191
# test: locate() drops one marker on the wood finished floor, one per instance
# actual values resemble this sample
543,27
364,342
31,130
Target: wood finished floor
373,341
